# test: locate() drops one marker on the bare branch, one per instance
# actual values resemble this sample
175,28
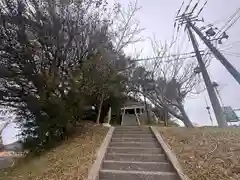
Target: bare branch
125,29
169,82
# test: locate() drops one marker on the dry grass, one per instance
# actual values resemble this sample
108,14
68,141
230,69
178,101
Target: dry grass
69,161
206,153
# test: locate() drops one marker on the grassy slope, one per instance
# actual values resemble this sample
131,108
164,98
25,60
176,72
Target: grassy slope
206,153
69,161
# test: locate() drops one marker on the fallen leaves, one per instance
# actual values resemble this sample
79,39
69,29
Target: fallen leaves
69,161
206,153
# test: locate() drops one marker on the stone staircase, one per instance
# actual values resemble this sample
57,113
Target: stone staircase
133,154
129,120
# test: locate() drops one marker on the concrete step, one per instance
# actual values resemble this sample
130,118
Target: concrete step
125,139
135,144
132,129
135,175
132,132
130,135
119,127
138,166
136,157
134,150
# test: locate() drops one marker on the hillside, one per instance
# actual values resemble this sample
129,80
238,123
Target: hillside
69,161
206,153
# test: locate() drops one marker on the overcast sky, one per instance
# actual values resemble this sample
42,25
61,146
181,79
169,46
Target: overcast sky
157,17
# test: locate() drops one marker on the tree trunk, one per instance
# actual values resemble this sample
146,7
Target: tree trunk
1,142
100,109
185,118
146,108
109,114
165,117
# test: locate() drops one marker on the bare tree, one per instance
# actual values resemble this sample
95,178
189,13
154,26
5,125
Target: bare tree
167,80
126,29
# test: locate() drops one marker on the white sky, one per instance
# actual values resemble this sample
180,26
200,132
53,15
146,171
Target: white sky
157,17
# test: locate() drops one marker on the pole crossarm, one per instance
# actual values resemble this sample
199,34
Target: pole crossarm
230,68
188,19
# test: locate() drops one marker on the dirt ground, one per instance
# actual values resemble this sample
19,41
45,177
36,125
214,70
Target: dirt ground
69,161
206,153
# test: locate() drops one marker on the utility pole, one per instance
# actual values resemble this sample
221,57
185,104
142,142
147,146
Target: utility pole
209,114
215,86
211,92
208,110
231,69
187,17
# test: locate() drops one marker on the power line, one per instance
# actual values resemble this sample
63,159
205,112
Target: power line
190,19
173,55
211,24
232,54
178,40
226,47
234,22
231,18
148,59
184,46
231,69
206,59
174,26
227,24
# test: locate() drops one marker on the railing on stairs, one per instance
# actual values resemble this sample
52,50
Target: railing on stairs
138,121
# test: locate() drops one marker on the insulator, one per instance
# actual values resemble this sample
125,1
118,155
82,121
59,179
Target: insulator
214,84
197,70
210,32
224,35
